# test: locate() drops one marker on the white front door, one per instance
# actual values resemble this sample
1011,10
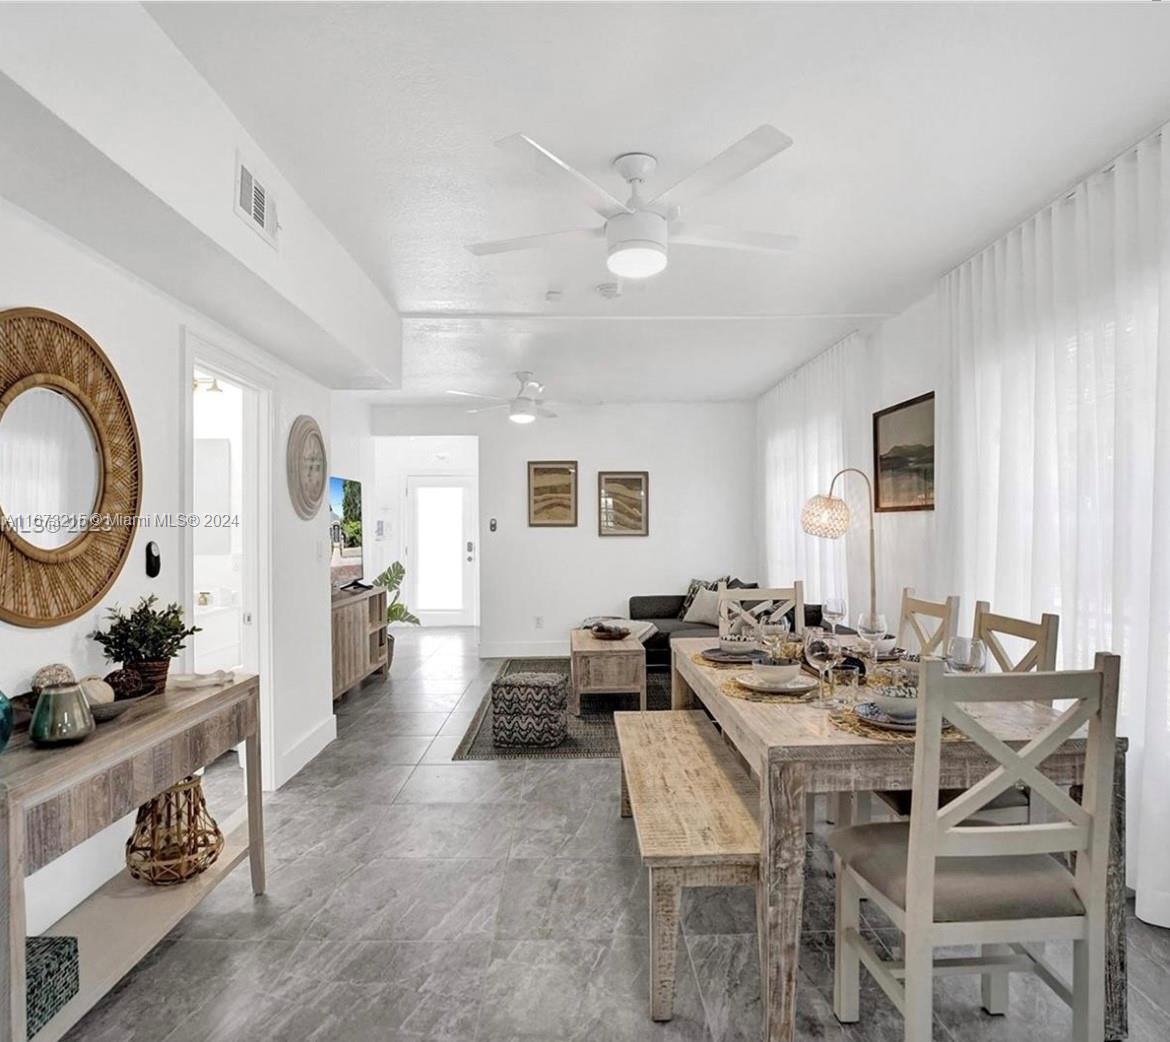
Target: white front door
442,556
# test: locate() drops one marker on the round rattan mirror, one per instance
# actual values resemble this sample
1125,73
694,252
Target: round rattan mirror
72,470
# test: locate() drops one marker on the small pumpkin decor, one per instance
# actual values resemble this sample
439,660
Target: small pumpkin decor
145,640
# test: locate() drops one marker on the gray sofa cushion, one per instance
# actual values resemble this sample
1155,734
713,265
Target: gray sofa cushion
966,889
656,607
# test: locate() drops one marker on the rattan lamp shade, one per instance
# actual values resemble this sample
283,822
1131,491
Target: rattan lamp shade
825,516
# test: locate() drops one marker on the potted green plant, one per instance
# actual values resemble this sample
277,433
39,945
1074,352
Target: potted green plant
146,639
391,581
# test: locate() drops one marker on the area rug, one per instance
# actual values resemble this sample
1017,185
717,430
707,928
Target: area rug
591,735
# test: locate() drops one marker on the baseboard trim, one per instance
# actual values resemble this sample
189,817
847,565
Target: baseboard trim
309,746
524,649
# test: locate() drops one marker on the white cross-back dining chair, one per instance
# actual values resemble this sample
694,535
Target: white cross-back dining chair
1012,806
945,880
1040,636
741,610
925,627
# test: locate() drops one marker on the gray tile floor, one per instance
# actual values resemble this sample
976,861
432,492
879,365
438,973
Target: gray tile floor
411,898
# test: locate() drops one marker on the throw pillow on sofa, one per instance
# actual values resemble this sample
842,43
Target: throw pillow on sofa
695,586
704,608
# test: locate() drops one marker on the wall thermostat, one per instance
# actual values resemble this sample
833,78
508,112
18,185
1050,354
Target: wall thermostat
153,560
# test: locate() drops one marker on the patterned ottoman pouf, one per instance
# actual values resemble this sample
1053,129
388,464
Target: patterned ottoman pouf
530,709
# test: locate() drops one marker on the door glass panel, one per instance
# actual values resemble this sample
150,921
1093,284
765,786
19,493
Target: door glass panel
439,548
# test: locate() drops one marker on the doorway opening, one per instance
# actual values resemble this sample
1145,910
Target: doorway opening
427,517
226,404
224,543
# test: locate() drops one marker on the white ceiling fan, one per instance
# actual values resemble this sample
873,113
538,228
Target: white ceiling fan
638,231
523,408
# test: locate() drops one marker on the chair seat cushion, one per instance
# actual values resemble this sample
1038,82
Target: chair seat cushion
901,800
966,889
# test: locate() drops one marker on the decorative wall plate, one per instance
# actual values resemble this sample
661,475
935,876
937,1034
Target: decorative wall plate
44,582
307,466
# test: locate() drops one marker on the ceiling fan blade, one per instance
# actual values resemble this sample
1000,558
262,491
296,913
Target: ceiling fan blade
597,197
684,233
490,408
746,154
547,413
533,242
486,397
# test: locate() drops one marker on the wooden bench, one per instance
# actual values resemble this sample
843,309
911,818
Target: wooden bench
695,810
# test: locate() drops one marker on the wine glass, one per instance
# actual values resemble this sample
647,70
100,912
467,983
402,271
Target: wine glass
834,611
822,651
966,655
871,625
773,636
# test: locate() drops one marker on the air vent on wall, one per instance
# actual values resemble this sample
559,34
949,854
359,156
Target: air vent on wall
254,205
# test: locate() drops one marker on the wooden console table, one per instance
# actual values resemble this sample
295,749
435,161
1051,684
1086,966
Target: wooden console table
361,645
53,799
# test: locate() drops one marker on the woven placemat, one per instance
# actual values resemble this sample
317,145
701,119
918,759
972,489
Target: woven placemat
847,720
698,660
732,689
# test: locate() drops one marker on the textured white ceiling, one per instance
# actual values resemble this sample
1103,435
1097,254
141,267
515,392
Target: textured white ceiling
921,133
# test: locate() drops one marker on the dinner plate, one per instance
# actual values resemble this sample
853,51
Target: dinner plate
726,658
870,713
795,686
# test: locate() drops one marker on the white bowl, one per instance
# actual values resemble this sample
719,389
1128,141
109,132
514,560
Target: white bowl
886,644
737,646
775,673
898,703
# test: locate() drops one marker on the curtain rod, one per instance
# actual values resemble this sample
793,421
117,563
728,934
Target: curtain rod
1065,195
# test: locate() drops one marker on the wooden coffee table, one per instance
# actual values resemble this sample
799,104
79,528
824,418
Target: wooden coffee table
605,666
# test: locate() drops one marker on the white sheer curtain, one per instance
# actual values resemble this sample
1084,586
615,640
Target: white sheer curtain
801,437
1060,338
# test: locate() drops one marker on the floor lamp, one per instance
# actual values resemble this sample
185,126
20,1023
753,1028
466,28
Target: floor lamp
829,516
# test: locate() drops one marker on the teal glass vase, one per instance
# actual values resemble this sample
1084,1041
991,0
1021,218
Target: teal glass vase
61,717
5,720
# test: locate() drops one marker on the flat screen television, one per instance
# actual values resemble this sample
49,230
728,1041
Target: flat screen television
345,531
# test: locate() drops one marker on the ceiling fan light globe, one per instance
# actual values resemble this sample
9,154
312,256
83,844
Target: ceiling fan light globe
637,244
636,261
521,411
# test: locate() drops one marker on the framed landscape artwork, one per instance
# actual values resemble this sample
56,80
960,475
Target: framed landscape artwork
552,493
903,455
623,502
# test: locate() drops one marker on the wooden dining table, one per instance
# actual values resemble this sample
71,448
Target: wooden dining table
794,750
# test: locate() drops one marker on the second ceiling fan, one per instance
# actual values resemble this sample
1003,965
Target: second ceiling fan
638,231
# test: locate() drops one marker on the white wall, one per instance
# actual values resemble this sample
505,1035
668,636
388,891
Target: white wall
111,75
141,331
701,459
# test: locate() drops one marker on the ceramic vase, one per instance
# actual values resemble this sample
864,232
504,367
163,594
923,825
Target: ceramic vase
62,716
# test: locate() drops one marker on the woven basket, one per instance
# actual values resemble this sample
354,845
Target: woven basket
175,837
